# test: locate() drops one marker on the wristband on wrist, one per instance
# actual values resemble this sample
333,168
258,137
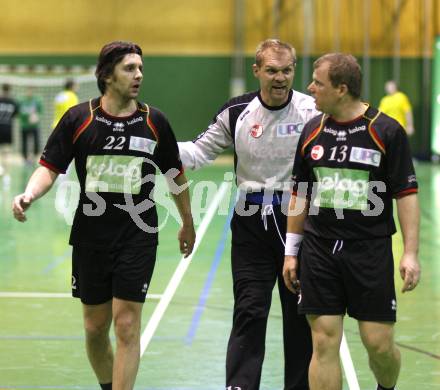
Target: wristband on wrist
293,242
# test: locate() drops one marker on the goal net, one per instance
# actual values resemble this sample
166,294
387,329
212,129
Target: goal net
47,87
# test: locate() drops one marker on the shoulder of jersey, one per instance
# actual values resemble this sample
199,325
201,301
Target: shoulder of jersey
242,99
153,112
313,123
386,124
84,107
303,101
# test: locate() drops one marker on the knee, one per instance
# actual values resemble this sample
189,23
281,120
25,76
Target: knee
95,330
326,344
253,300
379,346
127,329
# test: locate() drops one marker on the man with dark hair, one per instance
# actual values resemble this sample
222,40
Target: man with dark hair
264,128
350,163
8,110
117,143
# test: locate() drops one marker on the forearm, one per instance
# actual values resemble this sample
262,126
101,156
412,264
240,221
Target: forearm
40,182
182,200
298,208
409,118
409,218
207,146
409,123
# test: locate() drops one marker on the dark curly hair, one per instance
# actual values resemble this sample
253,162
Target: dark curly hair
111,54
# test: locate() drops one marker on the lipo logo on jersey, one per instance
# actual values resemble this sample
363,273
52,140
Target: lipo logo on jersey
256,131
365,156
142,144
289,129
317,152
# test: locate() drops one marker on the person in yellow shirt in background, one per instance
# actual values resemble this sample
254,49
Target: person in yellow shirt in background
64,100
396,104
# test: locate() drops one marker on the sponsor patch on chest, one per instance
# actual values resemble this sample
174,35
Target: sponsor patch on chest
141,144
365,156
341,188
289,129
114,173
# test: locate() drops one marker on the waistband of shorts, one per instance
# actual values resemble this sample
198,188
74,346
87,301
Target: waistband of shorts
266,197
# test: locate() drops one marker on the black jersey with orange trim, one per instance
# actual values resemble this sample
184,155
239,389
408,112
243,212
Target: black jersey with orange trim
116,160
350,172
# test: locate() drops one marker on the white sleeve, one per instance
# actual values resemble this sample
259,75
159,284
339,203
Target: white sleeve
208,145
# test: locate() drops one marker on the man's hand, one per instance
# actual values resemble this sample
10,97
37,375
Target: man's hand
187,238
409,271
20,204
290,269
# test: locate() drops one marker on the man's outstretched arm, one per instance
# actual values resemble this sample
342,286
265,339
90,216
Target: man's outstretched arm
40,182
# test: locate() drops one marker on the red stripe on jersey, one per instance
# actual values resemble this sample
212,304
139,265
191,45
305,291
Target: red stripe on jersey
81,129
310,138
313,135
87,122
376,139
153,128
143,107
50,166
403,193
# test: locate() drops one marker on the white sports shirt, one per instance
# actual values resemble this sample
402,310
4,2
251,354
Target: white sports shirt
264,140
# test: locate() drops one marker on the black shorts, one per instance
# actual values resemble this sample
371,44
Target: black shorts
353,276
98,274
5,135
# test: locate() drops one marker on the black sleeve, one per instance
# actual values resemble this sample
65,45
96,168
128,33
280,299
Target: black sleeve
166,153
400,169
58,152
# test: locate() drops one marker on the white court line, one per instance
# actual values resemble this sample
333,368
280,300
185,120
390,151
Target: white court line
347,364
180,271
6,294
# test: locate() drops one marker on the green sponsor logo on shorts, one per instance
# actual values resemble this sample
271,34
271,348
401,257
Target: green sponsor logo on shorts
341,188
121,174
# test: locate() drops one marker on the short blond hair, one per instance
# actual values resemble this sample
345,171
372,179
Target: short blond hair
274,44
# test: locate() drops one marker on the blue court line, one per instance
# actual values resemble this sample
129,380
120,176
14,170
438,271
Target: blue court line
57,261
209,280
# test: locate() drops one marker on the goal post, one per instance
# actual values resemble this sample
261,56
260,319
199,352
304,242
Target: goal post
47,87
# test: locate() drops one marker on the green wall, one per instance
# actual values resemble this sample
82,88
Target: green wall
190,89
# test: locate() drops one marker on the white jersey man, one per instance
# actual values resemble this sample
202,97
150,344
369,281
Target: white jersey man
264,128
